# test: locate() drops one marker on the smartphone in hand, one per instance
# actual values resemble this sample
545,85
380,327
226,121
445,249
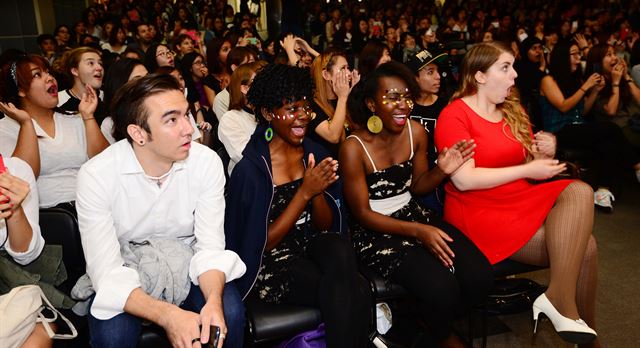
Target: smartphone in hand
214,337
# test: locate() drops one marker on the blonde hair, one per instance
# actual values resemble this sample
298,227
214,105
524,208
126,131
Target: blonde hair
242,76
323,62
480,58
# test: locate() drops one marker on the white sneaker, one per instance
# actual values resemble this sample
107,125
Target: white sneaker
603,199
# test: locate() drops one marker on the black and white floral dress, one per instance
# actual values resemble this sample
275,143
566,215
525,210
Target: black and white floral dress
383,252
273,281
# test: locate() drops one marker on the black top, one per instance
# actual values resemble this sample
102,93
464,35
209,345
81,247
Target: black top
71,106
428,116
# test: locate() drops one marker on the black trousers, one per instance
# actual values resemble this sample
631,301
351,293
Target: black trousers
607,147
443,295
328,278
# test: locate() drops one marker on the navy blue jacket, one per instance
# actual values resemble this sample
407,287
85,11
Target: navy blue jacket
249,197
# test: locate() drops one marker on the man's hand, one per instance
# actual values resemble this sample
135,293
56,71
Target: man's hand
212,315
182,327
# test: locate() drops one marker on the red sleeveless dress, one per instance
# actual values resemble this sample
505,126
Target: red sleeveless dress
502,219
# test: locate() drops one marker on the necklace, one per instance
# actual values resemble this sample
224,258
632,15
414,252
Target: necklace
158,180
73,94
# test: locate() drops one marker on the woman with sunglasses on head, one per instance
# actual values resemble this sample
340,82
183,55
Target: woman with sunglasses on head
385,163
333,81
491,199
59,143
283,206
565,99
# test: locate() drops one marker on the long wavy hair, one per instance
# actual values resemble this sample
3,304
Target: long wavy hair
480,58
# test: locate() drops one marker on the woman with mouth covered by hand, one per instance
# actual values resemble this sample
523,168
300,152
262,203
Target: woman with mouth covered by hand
385,163
491,199
54,144
283,209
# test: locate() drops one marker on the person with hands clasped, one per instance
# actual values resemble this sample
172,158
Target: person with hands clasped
53,143
619,100
491,199
284,209
385,163
150,212
565,99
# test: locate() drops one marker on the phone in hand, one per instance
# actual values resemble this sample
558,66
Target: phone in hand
252,40
214,337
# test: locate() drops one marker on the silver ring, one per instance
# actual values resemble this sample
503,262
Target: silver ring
222,336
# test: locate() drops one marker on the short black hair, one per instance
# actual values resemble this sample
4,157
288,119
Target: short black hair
274,84
368,87
128,104
41,38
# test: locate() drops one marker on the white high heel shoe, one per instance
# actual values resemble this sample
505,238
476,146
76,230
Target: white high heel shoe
573,331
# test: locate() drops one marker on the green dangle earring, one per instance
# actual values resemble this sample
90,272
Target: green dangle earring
268,133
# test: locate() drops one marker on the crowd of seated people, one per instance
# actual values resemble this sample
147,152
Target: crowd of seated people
118,120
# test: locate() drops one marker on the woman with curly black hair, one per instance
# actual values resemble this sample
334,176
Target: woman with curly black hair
283,198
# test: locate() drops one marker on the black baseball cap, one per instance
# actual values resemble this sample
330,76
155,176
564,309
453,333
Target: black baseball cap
423,58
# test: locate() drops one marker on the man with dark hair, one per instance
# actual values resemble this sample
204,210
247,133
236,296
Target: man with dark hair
47,45
144,37
151,216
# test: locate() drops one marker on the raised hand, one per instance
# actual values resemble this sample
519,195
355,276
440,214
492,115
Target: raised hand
541,169
450,159
355,77
435,240
88,103
288,43
340,83
14,113
545,144
318,177
13,192
592,81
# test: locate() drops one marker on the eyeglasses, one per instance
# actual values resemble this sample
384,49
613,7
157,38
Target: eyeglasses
577,54
199,63
395,97
166,54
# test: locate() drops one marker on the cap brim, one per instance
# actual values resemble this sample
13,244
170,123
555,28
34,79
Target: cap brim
441,58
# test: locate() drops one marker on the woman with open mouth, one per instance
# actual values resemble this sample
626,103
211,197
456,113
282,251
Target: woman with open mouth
499,199
55,144
385,163
283,209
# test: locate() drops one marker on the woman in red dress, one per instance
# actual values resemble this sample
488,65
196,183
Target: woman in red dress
492,200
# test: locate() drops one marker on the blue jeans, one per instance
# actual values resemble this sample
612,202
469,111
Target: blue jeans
123,330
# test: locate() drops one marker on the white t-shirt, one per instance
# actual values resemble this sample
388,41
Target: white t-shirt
22,170
235,130
60,157
221,103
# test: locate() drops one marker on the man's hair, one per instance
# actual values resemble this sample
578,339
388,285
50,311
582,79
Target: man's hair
128,105
43,37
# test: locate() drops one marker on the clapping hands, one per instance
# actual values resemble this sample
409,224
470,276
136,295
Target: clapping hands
450,159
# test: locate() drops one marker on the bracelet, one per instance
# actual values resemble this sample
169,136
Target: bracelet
87,119
583,91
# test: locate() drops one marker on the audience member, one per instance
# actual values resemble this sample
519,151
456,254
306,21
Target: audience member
385,163
54,144
489,195
182,240
283,209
